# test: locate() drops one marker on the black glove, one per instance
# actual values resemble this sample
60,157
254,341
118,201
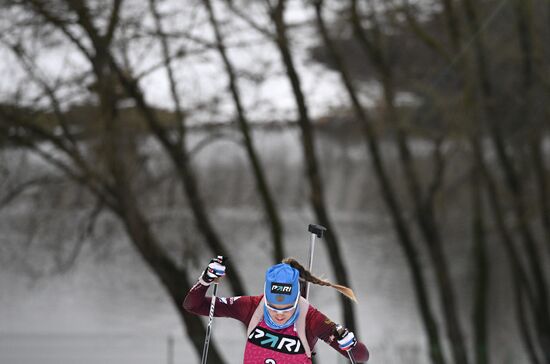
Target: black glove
215,270
346,339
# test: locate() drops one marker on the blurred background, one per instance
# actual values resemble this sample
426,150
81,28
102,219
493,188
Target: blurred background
139,139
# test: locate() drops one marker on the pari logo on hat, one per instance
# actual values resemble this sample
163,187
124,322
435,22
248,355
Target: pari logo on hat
281,284
281,288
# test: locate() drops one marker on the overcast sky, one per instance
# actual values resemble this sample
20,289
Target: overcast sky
201,77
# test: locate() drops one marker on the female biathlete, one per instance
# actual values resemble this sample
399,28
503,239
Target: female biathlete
283,327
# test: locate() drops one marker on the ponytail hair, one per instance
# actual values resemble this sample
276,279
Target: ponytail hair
308,277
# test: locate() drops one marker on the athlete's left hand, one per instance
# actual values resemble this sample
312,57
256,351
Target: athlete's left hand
346,339
214,271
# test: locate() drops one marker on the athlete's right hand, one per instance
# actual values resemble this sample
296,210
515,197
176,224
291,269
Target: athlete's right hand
346,339
215,270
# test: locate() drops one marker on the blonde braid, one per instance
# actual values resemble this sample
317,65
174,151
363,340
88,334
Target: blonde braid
308,277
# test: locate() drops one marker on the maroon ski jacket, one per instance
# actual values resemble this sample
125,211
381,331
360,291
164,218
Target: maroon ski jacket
318,326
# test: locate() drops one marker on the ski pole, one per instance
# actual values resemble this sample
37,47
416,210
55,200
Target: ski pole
340,330
316,232
210,319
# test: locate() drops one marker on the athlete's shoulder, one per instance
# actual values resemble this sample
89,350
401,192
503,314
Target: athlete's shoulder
256,299
252,300
312,310
317,318
241,300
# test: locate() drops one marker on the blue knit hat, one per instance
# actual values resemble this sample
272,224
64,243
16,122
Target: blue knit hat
281,284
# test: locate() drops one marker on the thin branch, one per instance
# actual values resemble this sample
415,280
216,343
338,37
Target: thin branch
31,69
113,21
88,177
60,24
439,172
21,188
250,21
421,33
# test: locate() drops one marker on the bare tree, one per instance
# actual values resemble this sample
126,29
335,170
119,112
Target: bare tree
480,101
313,174
268,200
513,182
111,180
423,204
404,235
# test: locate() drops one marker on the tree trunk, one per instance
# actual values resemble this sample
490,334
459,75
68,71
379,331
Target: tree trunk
525,36
523,321
184,169
177,150
313,175
524,291
404,237
424,211
266,196
119,159
482,272
514,185
523,12
174,280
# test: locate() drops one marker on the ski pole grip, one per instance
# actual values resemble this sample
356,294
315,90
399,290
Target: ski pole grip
339,330
317,230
